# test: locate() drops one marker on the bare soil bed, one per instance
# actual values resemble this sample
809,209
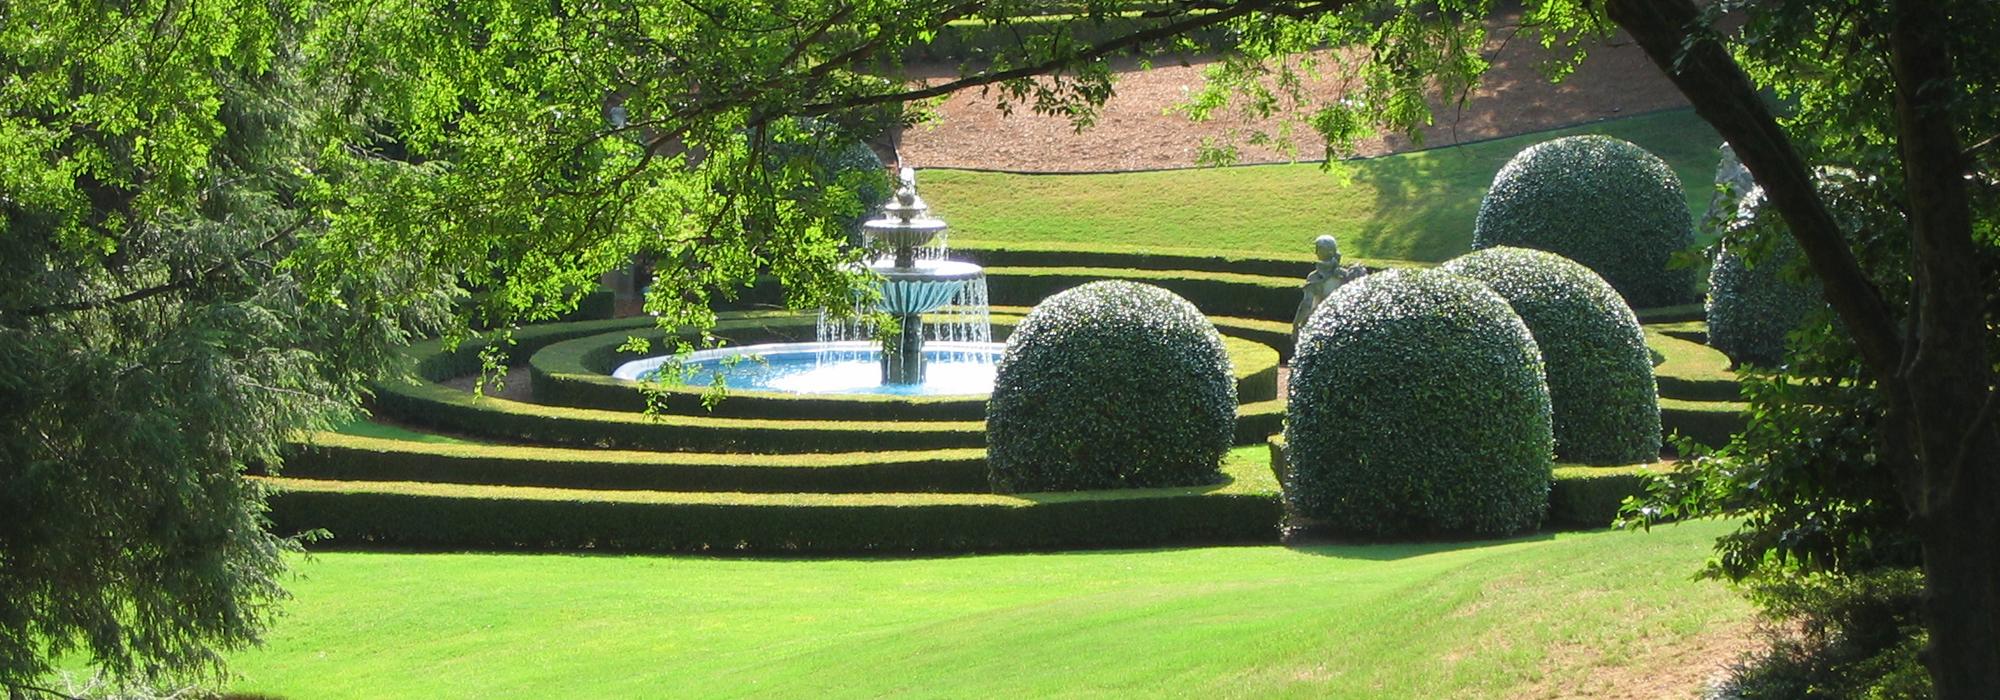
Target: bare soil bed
1138,130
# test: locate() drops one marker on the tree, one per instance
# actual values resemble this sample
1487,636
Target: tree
163,325
1930,350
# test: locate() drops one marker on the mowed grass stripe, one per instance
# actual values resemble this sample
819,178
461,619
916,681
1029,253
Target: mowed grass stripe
1542,615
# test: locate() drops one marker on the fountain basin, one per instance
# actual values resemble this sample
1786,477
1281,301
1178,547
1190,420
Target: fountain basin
953,368
923,287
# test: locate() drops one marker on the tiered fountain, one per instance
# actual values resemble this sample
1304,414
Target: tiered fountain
943,344
912,287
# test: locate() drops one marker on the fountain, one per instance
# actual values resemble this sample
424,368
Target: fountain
943,340
912,287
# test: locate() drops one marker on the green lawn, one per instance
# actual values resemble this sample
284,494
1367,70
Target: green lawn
368,428
1415,206
1429,620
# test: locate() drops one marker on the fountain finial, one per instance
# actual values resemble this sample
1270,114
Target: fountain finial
907,206
906,222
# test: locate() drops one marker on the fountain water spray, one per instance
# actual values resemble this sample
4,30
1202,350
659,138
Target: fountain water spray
916,280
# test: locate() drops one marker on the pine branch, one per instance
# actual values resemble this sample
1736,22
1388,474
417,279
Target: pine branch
182,284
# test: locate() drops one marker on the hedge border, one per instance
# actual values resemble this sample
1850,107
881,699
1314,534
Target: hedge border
1691,371
449,410
575,373
1257,307
1710,423
437,407
1245,509
1017,255
1580,497
1215,293
339,457
1678,313
1586,497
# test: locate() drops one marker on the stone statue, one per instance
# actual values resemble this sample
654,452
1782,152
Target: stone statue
1326,276
1732,183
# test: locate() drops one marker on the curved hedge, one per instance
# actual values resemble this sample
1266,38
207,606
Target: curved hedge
1218,293
1605,203
1418,407
342,457
1244,508
576,373
1606,408
1111,384
428,404
1689,370
1753,301
1579,496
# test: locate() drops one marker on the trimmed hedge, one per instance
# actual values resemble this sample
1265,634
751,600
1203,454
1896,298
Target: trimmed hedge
1276,335
1691,371
1604,404
340,457
1680,313
1579,496
1590,497
443,408
1710,423
1605,203
1418,407
1215,293
1227,294
445,516
576,373
438,407
1111,385
1754,299
996,254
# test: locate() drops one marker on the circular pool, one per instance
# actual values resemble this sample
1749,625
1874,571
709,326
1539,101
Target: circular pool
950,368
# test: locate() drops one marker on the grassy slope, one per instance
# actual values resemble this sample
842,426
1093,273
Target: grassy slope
368,428
1430,620
1415,206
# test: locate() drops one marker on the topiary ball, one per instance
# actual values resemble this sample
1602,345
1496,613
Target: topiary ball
1110,385
1753,299
1605,405
1602,202
1417,407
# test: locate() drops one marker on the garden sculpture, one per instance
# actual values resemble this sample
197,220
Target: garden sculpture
1326,276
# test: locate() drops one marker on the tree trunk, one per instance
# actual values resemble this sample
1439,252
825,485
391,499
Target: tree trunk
1937,381
1947,374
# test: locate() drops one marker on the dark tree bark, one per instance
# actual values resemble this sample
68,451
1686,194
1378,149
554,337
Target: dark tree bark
1929,360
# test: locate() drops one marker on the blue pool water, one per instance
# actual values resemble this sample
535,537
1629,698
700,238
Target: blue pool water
950,369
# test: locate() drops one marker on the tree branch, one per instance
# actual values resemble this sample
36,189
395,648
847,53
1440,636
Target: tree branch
1165,31
1710,79
166,288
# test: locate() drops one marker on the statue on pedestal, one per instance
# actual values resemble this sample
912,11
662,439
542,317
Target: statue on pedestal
1326,276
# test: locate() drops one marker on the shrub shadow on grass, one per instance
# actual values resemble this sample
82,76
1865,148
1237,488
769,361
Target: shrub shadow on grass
1323,544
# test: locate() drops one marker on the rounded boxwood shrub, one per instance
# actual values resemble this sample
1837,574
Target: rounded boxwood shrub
1417,407
1753,302
1107,385
1610,205
1605,406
